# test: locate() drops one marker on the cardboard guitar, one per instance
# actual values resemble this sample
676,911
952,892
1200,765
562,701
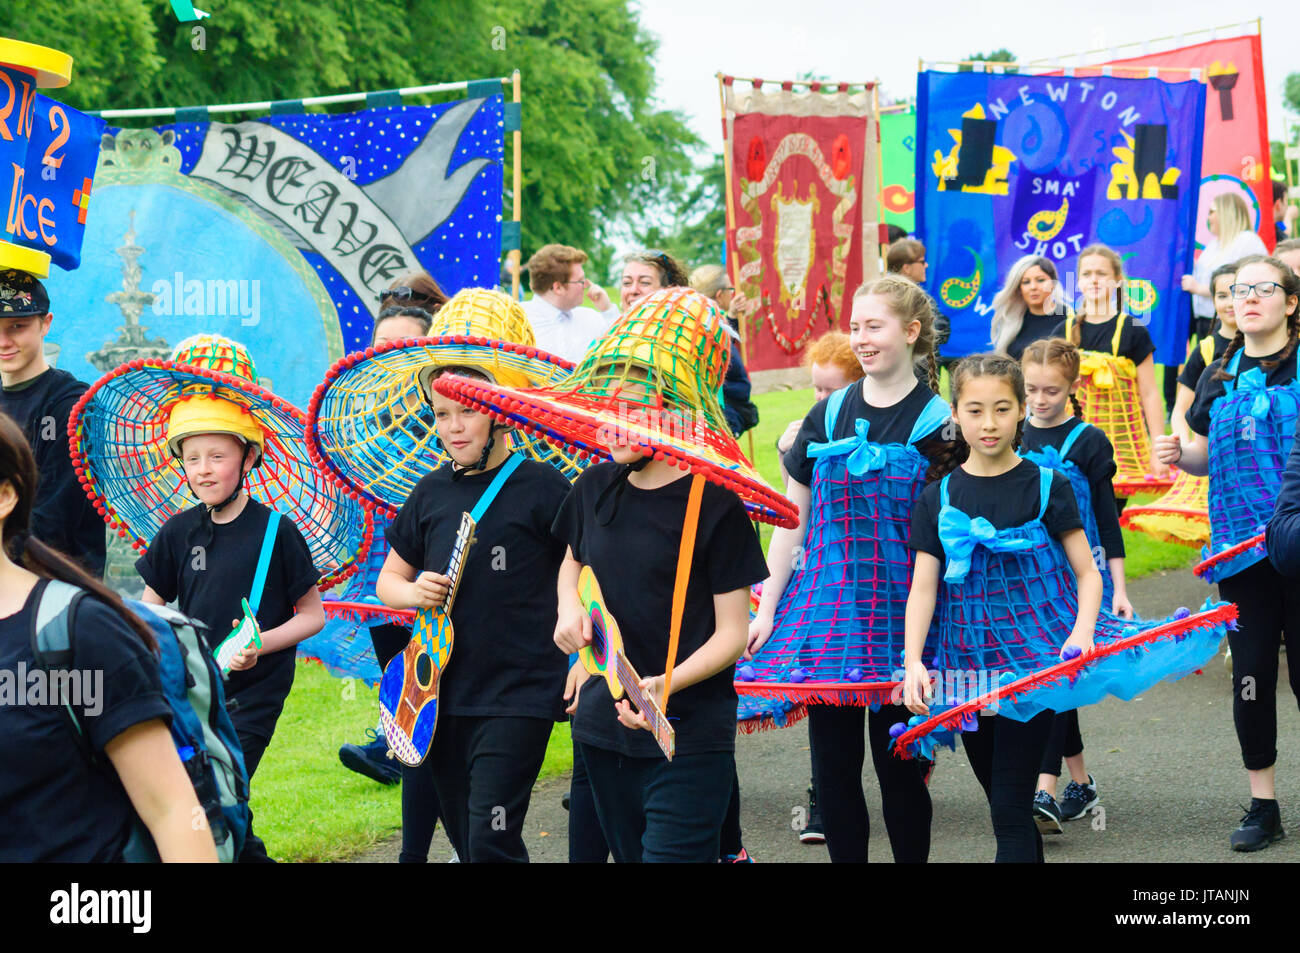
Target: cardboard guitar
408,691
605,657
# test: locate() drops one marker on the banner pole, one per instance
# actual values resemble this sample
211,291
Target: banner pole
880,179
733,268
516,255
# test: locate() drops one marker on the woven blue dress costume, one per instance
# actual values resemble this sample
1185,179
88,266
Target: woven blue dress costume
1058,459
840,619
1006,606
1252,428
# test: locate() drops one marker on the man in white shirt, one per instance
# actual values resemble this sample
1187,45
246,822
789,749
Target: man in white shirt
562,326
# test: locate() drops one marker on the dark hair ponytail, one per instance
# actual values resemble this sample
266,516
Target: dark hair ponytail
18,469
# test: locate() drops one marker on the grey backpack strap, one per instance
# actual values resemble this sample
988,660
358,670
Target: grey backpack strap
51,633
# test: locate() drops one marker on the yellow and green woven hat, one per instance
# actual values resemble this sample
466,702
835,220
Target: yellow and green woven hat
121,435
651,383
369,423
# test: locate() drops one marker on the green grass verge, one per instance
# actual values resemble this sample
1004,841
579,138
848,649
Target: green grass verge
308,807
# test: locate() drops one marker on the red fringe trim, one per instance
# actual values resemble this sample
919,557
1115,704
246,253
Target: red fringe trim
824,693
1206,564
767,723
1139,485
954,716
366,612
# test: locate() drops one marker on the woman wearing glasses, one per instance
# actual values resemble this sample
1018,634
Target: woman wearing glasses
1243,425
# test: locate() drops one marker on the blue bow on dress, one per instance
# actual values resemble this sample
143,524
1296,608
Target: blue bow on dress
960,534
1050,457
864,455
1254,382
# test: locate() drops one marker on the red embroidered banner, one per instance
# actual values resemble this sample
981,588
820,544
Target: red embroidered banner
1236,155
800,238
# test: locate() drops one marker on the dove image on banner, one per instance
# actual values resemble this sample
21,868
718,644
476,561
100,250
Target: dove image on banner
279,233
1010,165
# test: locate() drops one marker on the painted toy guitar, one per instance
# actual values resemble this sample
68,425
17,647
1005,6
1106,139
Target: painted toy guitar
408,692
605,657
246,635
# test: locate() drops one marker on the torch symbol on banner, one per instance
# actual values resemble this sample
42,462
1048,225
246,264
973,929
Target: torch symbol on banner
1224,78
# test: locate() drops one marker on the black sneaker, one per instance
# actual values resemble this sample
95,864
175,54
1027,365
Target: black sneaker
371,759
1078,799
812,832
1046,814
1261,826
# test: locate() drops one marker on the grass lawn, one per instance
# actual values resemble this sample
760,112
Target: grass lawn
310,808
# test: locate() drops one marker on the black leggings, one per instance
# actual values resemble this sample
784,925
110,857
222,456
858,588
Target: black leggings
420,811
586,839
1268,606
1064,741
731,835
1005,755
839,749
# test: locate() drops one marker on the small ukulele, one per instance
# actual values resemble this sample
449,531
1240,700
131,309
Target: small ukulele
605,657
408,692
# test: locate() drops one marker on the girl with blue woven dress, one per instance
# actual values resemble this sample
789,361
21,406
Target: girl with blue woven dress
1005,538
1243,421
830,623
1056,437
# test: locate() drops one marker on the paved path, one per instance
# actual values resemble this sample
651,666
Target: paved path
1167,765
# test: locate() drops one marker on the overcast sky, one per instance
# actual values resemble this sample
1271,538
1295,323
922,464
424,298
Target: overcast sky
780,39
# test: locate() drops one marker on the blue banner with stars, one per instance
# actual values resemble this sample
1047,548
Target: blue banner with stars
280,233
1011,165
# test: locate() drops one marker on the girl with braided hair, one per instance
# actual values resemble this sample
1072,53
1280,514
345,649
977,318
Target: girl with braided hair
1243,422
829,626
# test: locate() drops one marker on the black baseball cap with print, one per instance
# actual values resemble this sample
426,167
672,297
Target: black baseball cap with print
22,295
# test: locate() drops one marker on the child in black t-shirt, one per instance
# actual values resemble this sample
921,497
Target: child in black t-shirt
206,559
500,693
56,805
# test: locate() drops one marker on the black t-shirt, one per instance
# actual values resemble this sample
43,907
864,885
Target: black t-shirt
884,425
1006,500
1094,455
504,661
63,516
1208,390
208,585
634,559
1035,327
56,806
1134,341
1195,365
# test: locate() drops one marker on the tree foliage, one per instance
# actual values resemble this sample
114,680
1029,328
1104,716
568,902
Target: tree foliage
597,150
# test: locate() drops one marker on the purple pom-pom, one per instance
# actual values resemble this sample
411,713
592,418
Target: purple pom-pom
330,597
798,675
897,729
745,673
1071,652
854,675
1182,612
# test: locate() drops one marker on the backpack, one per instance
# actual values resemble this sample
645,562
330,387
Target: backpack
201,728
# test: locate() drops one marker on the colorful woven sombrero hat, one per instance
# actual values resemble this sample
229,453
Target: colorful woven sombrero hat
369,424
651,382
118,434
